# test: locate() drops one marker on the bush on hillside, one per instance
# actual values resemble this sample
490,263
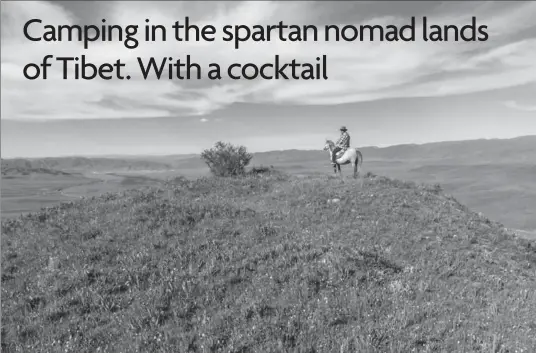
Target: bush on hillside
261,170
225,159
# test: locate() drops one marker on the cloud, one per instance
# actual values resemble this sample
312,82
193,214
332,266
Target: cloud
357,71
517,106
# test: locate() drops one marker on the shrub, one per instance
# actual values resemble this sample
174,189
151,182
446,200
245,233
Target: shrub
261,170
225,159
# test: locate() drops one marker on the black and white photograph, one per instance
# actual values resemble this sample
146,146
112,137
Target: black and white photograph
268,176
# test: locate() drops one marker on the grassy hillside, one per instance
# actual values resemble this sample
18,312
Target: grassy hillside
267,264
494,176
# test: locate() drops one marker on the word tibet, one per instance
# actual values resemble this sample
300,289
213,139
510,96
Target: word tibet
276,70
77,68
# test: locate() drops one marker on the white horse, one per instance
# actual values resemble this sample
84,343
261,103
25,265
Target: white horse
351,155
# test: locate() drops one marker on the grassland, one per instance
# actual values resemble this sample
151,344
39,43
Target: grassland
29,193
267,264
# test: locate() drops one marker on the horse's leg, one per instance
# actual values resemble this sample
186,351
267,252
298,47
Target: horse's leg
339,168
354,164
359,162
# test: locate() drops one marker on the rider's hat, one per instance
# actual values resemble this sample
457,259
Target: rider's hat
343,128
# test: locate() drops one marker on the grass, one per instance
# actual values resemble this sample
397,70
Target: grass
266,264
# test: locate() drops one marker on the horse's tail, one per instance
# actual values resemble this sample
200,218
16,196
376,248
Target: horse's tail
359,157
357,163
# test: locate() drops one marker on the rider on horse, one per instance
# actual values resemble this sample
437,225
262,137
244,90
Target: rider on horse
342,144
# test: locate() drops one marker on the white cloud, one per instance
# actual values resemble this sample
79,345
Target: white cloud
518,106
358,71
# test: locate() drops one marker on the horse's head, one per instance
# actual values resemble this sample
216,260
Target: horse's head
329,145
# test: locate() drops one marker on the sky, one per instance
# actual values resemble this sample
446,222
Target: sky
386,93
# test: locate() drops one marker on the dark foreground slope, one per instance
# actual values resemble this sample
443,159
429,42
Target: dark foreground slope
266,264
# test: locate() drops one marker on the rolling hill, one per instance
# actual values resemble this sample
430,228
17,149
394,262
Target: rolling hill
269,263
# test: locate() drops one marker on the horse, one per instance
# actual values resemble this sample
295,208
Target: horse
351,155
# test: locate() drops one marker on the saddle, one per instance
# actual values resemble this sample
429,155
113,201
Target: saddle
339,154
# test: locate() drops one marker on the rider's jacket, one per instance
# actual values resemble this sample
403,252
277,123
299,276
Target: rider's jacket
344,140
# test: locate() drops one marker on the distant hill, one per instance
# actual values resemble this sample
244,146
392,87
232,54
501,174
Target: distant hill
97,164
519,150
515,150
14,168
512,151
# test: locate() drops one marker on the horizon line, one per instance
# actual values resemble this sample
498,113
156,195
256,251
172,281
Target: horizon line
109,156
